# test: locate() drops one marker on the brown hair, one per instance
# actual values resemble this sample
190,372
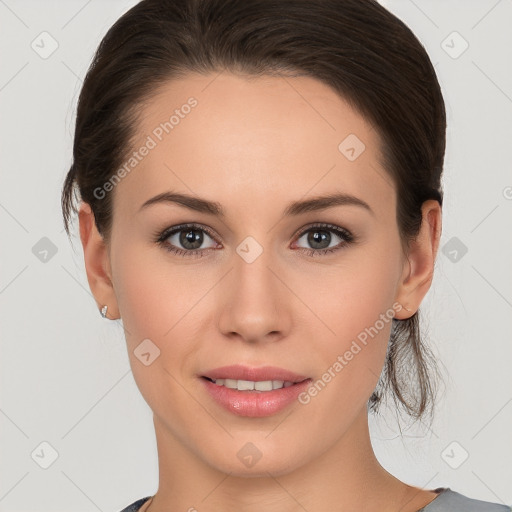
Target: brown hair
357,47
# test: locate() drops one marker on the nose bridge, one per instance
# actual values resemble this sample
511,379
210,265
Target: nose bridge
252,271
254,305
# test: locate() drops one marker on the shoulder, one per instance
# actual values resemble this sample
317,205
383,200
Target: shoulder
447,501
452,501
136,505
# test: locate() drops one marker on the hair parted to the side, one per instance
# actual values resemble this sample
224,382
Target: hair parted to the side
357,47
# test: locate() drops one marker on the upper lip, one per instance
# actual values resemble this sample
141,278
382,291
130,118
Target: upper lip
240,372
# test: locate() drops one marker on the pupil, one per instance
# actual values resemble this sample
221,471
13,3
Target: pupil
317,237
192,237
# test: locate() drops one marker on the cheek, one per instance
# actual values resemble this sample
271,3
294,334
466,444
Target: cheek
355,304
360,320
165,303
153,293
156,303
362,305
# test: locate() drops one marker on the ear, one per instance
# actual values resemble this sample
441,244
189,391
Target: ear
97,262
419,269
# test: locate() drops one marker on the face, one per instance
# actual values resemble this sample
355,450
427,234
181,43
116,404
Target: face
309,289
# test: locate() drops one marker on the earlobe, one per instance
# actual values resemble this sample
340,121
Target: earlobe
419,271
97,264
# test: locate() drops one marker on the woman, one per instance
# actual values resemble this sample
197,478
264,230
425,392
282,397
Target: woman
260,188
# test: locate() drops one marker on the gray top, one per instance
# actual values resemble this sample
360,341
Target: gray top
447,501
452,501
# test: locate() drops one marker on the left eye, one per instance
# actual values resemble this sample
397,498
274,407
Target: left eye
321,239
318,239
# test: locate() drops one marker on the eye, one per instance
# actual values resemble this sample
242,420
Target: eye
186,240
320,238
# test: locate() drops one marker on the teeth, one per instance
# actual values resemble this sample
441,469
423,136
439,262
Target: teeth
250,385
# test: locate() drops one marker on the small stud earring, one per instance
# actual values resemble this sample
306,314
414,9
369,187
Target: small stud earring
104,311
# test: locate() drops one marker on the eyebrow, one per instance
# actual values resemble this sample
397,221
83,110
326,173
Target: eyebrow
295,208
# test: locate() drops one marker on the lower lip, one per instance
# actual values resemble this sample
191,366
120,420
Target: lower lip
255,404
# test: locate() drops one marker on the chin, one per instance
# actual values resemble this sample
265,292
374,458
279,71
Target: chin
247,456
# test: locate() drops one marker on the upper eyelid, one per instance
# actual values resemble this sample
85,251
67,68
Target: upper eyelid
182,227
321,225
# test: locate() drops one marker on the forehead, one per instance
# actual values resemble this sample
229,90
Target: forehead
230,137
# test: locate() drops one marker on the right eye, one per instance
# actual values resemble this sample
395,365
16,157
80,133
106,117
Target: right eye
185,239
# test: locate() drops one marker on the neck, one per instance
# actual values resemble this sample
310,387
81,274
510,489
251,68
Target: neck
345,477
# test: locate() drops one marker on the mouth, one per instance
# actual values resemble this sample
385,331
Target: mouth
254,392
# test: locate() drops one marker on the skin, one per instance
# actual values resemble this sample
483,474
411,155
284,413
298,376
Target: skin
254,146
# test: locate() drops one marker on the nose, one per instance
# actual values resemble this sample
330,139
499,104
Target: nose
255,303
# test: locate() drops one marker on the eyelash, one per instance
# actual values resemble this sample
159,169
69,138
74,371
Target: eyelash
343,233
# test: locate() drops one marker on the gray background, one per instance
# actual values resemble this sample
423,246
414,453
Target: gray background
65,377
